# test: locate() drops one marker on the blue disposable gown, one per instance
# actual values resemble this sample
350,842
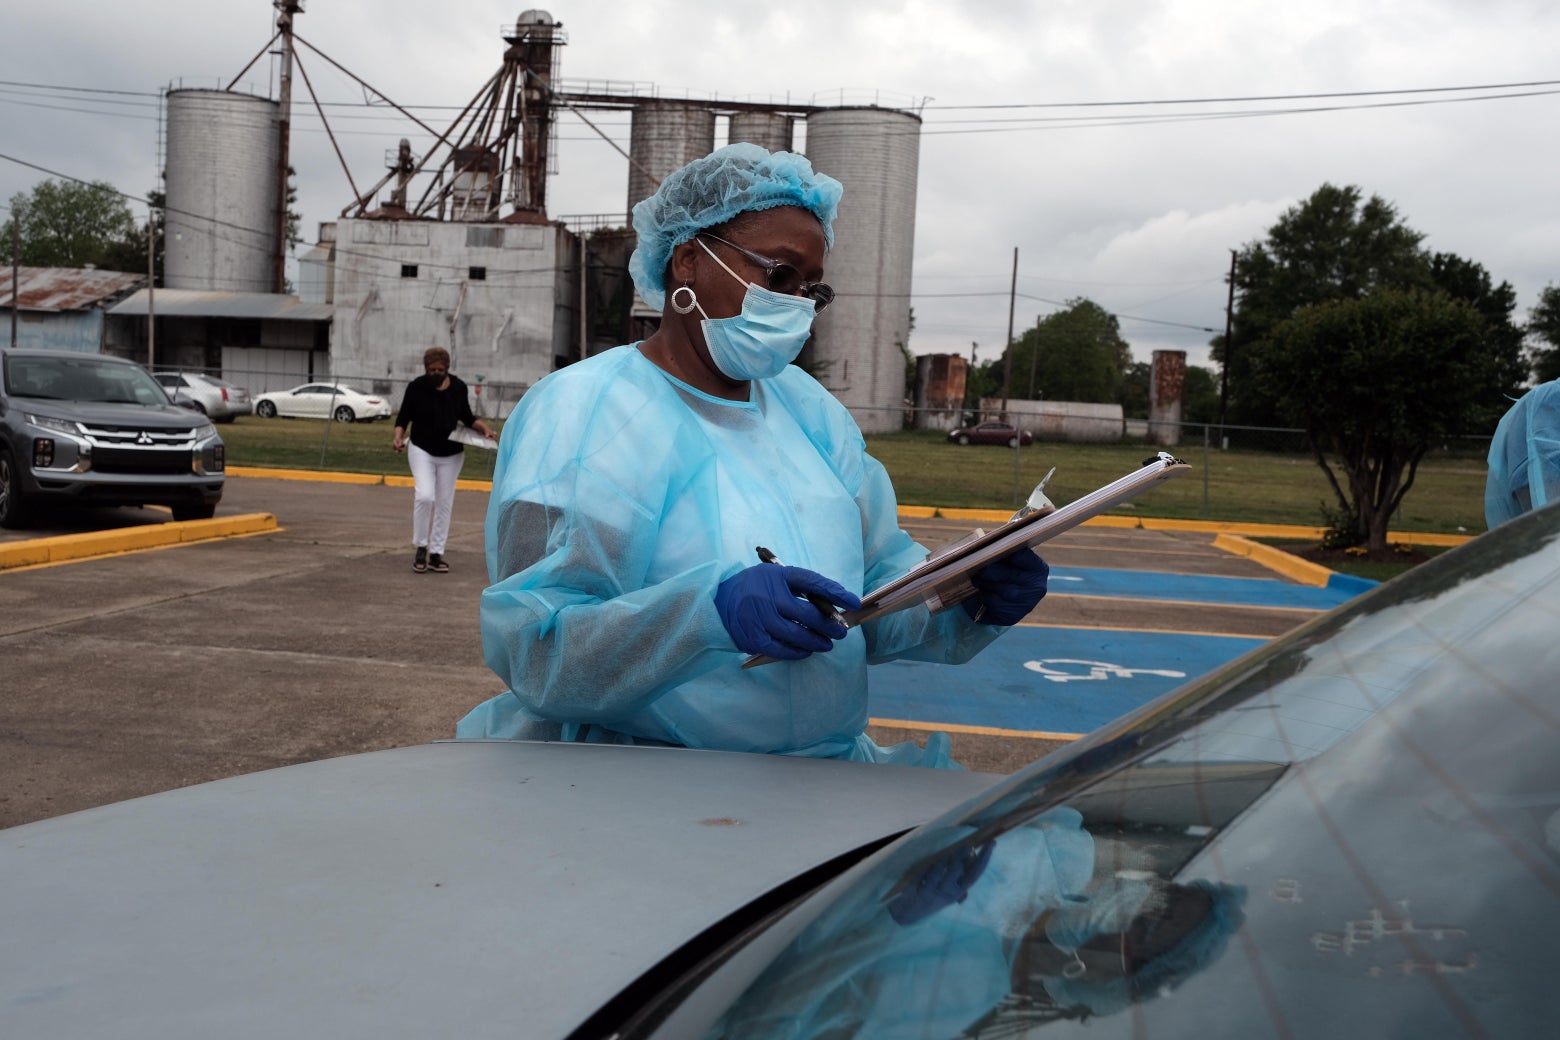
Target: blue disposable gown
622,498
1525,456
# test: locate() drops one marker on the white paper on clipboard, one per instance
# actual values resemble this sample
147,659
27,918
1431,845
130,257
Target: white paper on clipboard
464,434
943,579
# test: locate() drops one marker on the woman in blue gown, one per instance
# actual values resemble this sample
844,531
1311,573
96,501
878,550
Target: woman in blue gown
632,488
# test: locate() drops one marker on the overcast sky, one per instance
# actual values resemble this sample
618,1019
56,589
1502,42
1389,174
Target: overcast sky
1118,203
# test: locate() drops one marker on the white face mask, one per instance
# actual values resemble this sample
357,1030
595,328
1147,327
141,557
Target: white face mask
765,337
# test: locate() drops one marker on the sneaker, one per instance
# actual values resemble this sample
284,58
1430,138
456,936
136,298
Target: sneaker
436,563
420,561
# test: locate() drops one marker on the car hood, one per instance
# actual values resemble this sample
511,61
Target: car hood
151,417
470,888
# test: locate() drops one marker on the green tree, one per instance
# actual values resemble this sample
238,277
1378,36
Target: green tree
1200,396
1376,381
66,224
983,380
911,363
1470,282
1134,390
1075,354
129,254
1330,247
1544,328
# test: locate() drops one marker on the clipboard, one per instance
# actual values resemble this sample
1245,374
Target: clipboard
942,580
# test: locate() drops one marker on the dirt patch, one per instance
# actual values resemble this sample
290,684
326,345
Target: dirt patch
1332,557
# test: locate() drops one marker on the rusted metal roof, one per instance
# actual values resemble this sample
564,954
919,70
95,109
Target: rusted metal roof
65,288
193,303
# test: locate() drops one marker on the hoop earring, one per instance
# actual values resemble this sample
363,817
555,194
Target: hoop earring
693,299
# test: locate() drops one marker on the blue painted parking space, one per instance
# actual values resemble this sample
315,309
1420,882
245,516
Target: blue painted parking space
1196,588
1053,680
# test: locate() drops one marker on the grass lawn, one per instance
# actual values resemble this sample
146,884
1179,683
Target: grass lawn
1447,497
351,448
1260,487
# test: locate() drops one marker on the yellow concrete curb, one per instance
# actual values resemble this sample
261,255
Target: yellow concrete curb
1288,564
65,547
337,477
322,476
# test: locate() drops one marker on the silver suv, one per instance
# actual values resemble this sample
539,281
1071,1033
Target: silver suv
92,430
217,399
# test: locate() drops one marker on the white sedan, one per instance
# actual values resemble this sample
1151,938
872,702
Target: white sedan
318,400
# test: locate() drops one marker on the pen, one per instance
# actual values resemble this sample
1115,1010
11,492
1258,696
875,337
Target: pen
826,608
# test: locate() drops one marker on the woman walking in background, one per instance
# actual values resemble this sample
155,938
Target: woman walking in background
433,405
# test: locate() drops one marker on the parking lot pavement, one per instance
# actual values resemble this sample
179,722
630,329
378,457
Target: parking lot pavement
136,673
1131,614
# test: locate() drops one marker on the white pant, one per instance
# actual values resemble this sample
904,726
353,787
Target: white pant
433,477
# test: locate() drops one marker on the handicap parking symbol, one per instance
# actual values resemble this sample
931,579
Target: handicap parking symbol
1076,670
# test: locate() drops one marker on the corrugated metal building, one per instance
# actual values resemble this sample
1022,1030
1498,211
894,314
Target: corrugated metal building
263,341
61,308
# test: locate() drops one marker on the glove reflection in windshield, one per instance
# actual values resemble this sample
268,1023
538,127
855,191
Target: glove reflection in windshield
1016,926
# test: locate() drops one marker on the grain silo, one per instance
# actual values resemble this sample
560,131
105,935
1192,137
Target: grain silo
769,130
222,191
856,353
663,137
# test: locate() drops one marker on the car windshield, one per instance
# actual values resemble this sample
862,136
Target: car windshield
72,377
1355,829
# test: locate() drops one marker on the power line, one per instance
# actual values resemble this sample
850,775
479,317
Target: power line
1251,97
1156,120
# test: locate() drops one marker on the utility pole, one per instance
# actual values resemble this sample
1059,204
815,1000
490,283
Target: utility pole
16,270
1034,358
1007,354
151,286
284,25
1229,346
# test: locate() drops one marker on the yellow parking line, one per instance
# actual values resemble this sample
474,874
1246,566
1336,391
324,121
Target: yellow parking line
979,731
1183,603
1149,631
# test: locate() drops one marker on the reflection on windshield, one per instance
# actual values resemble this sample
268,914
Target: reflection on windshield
1034,924
1355,830
81,379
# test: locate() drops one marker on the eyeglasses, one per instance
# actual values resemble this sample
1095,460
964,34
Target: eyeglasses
781,277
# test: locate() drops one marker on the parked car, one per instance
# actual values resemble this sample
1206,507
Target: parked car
319,400
991,433
215,398
85,429
1352,831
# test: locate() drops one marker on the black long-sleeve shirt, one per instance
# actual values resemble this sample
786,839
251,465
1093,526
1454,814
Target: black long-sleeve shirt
431,414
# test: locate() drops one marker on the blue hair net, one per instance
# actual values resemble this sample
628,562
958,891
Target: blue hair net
1525,456
738,178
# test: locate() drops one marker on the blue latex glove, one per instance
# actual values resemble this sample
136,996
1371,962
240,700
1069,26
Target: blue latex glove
1008,589
762,610
945,881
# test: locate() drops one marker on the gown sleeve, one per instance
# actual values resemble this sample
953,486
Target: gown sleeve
914,633
572,621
